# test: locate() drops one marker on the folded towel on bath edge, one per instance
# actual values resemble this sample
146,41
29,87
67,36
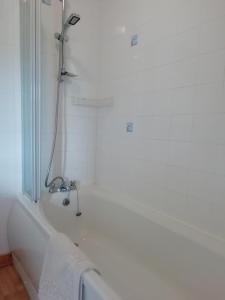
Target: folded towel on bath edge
64,265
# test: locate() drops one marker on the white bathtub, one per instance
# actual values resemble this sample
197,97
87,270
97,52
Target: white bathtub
138,258
28,235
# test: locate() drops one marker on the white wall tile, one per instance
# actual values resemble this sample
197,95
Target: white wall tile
161,102
210,68
161,127
160,151
210,98
177,179
181,127
210,9
207,157
177,75
183,100
174,78
212,35
209,128
178,47
179,154
144,126
151,172
207,186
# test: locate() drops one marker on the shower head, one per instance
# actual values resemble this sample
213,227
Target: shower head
73,19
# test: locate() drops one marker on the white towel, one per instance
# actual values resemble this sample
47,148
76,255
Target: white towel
63,268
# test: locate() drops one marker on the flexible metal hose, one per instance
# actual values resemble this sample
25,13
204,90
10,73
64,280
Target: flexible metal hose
56,121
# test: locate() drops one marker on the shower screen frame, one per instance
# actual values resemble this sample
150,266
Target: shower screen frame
30,97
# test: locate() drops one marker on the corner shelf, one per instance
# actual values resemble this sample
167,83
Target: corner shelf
93,102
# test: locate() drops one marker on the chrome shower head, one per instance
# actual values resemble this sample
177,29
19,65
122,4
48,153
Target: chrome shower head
73,19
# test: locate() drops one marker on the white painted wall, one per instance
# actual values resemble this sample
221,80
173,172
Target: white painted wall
9,112
171,85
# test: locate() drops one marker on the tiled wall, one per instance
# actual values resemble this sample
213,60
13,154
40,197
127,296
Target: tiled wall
9,112
171,86
75,149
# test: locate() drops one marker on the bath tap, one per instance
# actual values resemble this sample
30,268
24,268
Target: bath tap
73,185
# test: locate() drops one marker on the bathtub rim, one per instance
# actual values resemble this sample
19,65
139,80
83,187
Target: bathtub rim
212,242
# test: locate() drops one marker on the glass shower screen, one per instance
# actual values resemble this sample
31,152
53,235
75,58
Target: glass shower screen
29,96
